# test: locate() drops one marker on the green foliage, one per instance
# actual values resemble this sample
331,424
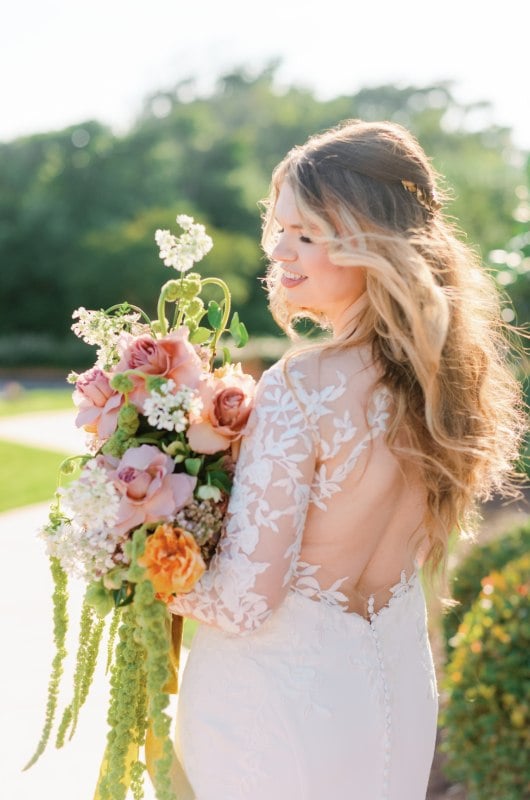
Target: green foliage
466,580
78,221
485,723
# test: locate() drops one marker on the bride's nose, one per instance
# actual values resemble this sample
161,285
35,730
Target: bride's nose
282,252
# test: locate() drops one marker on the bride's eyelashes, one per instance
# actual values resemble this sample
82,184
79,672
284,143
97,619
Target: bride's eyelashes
304,239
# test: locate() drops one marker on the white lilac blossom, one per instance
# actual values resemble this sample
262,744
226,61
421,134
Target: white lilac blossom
169,410
100,329
183,251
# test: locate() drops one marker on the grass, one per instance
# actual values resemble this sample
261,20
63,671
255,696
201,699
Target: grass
36,400
27,475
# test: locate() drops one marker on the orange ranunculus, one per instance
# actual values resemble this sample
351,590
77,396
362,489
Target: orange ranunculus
173,560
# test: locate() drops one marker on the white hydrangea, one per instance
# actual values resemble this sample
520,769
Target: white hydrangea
184,251
82,553
92,500
85,540
167,409
100,329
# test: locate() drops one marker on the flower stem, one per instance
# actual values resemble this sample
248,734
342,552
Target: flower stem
161,308
226,312
134,308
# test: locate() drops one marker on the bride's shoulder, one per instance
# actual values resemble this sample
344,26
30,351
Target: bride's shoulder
323,367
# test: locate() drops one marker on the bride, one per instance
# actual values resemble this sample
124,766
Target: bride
312,676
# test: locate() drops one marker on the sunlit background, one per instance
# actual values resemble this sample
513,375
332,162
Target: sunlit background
65,62
115,115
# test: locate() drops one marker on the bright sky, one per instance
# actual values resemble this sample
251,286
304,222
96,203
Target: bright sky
65,61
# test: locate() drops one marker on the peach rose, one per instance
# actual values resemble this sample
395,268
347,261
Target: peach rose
227,398
173,560
172,357
98,405
149,490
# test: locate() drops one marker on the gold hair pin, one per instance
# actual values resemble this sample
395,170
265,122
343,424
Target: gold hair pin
427,201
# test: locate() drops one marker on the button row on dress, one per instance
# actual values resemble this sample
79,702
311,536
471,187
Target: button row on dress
388,712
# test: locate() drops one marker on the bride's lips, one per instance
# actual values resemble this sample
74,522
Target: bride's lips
290,279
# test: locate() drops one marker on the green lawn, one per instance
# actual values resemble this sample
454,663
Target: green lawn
27,475
36,400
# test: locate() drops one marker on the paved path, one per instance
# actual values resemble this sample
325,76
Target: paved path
26,614
51,430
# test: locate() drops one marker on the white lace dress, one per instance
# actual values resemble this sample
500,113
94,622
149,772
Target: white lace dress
299,686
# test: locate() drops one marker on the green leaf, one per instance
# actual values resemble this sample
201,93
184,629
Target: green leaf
227,358
238,331
123,596
215,314
200,335
243,335
192,465
234,325
220,479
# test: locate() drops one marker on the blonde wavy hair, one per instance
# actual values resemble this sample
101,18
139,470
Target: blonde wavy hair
433,318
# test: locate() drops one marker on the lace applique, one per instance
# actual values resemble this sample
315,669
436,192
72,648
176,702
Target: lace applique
306,584
325,486
314,400
266,517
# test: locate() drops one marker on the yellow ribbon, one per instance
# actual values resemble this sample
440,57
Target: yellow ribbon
154,746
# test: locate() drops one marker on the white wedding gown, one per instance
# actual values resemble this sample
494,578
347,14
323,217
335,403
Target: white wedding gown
312,676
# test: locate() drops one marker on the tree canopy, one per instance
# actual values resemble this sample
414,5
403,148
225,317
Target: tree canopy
79,207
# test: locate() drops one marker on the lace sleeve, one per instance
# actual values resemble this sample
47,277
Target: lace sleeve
250,574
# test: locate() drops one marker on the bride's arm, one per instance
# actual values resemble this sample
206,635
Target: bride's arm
250,573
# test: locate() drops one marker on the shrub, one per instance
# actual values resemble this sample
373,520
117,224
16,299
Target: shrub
485,730
466,579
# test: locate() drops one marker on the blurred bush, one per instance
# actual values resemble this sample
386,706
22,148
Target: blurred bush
485,721
466,579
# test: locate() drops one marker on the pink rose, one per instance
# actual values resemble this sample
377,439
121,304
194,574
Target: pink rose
149,490
172,357
98,405
227,398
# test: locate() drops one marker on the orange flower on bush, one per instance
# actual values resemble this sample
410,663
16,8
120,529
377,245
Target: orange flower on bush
173,560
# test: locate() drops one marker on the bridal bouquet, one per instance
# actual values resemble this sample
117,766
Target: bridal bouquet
141,520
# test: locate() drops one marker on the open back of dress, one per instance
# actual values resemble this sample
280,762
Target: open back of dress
312,676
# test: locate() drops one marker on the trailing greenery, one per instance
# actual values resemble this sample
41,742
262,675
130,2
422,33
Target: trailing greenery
485,721
90,633
466,580
153,621
143,667
113,632
122,716
60,627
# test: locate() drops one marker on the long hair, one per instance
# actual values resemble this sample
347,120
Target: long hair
433,319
